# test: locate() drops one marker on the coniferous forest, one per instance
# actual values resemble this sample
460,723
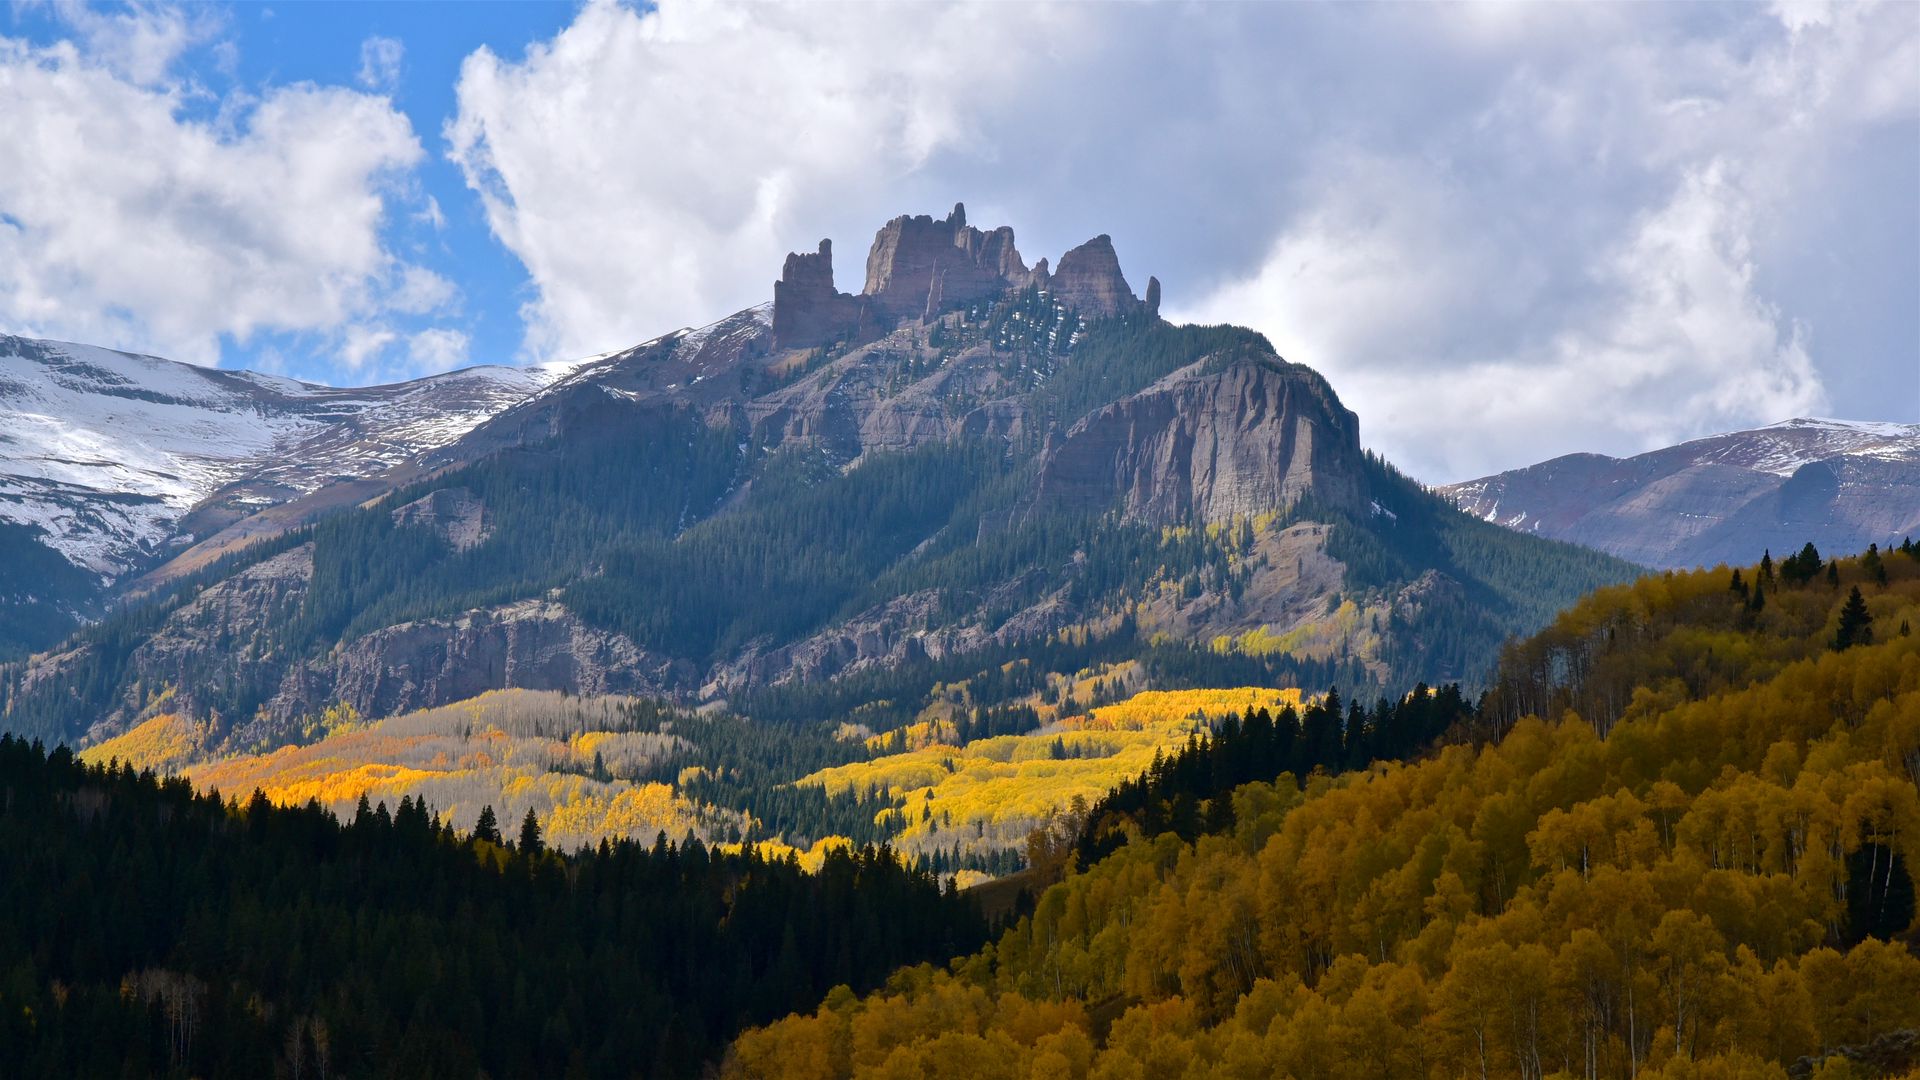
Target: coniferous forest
151,931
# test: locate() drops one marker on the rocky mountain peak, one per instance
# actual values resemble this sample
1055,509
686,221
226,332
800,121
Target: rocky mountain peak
914,259
920,265
1089,279
807,310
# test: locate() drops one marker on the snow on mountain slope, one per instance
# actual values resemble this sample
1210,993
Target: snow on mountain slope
1842,484
106,452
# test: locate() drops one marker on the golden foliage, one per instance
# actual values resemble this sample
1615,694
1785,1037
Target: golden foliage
990,794
163,743
1658,897
513,750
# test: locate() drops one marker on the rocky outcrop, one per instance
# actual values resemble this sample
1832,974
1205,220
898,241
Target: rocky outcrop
920,266
455,513
1089,280
807,311
1219,438
533,645
222,637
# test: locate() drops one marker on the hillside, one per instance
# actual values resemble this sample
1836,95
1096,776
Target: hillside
830,505
1678,845
1841,484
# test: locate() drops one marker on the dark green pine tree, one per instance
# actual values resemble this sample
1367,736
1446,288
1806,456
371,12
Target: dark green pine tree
488,827
1766,566
1833,574
530,834
1874,565
1856,624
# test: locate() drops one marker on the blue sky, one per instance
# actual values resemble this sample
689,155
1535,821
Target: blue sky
1503,231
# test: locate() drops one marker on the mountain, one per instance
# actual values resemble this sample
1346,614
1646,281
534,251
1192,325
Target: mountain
112,463
1841,484
834,506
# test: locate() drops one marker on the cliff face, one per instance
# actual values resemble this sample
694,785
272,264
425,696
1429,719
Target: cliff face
1216,439
533,645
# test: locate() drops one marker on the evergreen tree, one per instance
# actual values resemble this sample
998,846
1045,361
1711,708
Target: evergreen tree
1874,565
1833,573
1856,624
488,827
1766,565
530,834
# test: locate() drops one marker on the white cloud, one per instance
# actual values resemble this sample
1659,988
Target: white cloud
1575,263
380,59
437,350
140,41
362,346
125,222
649,168
421,292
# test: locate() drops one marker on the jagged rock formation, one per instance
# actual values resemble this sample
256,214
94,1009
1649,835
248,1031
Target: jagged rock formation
1219,438
920,266
807,310
1089,280
1726,498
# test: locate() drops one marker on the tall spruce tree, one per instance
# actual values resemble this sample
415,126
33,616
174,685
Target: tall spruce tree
530,843
488,827
1856,623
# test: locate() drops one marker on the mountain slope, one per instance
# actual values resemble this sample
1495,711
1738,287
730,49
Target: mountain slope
1841,484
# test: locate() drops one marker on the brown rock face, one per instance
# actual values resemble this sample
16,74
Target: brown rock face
455,513
533,644
1090,282
919,265
806,309
1213,440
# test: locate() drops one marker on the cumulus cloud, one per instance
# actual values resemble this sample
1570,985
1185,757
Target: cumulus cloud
125,221
649,168
140,41
436,350
1504,231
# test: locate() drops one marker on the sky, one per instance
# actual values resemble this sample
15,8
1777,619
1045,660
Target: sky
1504,232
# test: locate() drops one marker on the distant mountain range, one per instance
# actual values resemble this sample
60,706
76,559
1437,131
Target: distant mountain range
847,499
115,462
1724,499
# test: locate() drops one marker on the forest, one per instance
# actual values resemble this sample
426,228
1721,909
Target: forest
1674,840
152,931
